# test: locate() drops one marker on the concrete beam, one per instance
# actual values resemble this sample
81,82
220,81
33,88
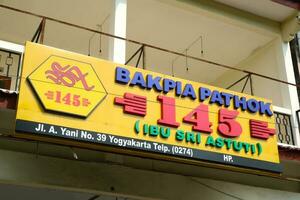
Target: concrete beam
34,163
290,27
104,178
229,15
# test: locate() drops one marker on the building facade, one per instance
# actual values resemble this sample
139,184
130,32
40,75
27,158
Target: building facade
244,47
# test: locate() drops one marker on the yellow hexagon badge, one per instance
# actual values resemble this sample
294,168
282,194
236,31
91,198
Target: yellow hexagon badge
68,86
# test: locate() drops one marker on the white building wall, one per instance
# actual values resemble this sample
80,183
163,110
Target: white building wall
263,61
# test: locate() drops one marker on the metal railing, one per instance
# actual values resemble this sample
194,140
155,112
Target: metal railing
284,129
39,36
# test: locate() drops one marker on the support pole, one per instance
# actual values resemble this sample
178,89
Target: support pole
139,50
144,57
248,77
40,32
251,85
233,84
37,32
139,58
43,30
117,45
245,83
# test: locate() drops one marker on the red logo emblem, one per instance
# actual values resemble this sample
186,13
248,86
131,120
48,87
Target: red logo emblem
67,76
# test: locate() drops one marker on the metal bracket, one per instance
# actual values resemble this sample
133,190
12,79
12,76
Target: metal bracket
185,51
141,52
39,33
248,77
94,197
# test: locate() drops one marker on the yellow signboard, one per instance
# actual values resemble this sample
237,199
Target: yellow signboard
83,99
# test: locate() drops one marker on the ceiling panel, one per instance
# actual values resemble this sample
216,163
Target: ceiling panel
264,8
